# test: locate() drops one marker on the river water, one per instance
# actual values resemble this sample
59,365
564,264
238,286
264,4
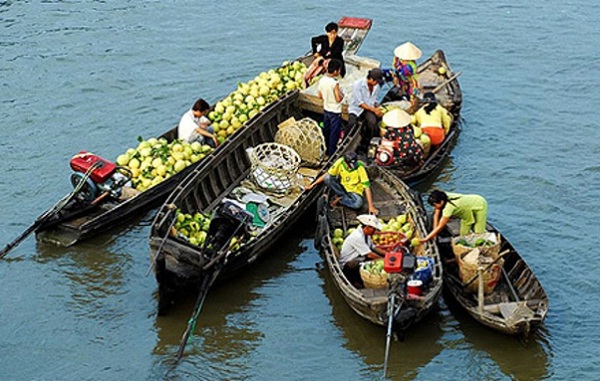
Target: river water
95,75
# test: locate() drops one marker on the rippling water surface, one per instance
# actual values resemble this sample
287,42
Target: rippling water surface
95,75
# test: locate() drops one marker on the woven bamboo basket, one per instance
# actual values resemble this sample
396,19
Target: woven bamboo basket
469,262
305,137
274,167
371,280
491,251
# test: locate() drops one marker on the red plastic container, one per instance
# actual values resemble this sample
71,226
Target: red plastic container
84,160
414,287
392,262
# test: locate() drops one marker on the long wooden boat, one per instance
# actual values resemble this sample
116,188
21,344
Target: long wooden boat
518,303
79,220
449,94
392,197
178,263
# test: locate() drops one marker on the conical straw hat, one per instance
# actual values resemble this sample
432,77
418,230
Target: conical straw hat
396,118
408,51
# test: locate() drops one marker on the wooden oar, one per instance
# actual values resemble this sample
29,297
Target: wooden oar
388,336
213,269
446,82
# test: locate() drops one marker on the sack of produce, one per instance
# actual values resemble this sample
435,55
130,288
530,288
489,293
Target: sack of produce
373,275
468,264
488,243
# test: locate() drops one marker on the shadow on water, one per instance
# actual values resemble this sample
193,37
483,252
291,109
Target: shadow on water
226,331
517,358
420,345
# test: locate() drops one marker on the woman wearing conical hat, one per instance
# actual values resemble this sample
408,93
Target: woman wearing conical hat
405,69
399,146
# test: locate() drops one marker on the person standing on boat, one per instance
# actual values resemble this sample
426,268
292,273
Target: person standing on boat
470,208
364,106
358,247
348,179
195,126
399,146
433,119
329,91
405,71
325,47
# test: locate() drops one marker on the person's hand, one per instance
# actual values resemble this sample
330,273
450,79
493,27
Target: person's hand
310,186
377,111
373,210
216,141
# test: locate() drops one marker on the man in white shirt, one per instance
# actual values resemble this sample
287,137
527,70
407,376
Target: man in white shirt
195,126
358,247
364,105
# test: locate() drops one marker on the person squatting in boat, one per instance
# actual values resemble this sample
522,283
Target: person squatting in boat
470,208
325,47
399,147
194,125
358,247
348,179
433,119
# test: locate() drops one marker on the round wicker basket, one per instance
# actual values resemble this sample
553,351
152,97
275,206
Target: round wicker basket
371,280
306,138
274,166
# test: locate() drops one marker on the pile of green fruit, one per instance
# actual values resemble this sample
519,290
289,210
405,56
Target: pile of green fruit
375,267
192,227
400,224
230,113
155,160
477,243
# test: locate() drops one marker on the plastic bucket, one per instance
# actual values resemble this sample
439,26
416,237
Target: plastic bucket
414,287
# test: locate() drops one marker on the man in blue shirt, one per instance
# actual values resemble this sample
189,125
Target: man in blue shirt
364,105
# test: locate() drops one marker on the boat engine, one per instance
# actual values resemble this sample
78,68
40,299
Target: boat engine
99,176
230,220
400,264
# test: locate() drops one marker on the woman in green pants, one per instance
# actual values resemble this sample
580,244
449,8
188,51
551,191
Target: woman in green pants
470,208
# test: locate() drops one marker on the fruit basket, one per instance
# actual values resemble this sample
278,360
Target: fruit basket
389,240
373,275
488,243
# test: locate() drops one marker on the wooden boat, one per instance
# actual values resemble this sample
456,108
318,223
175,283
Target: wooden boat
80,220
518,303
392,197
448,92
178,263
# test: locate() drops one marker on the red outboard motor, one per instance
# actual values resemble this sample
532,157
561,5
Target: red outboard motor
99,176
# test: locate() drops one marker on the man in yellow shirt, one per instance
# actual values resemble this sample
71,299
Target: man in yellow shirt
348,179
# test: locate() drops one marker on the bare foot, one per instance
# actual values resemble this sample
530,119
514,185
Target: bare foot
335,201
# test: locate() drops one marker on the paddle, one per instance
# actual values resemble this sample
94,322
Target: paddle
388,338
216,265
439,87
